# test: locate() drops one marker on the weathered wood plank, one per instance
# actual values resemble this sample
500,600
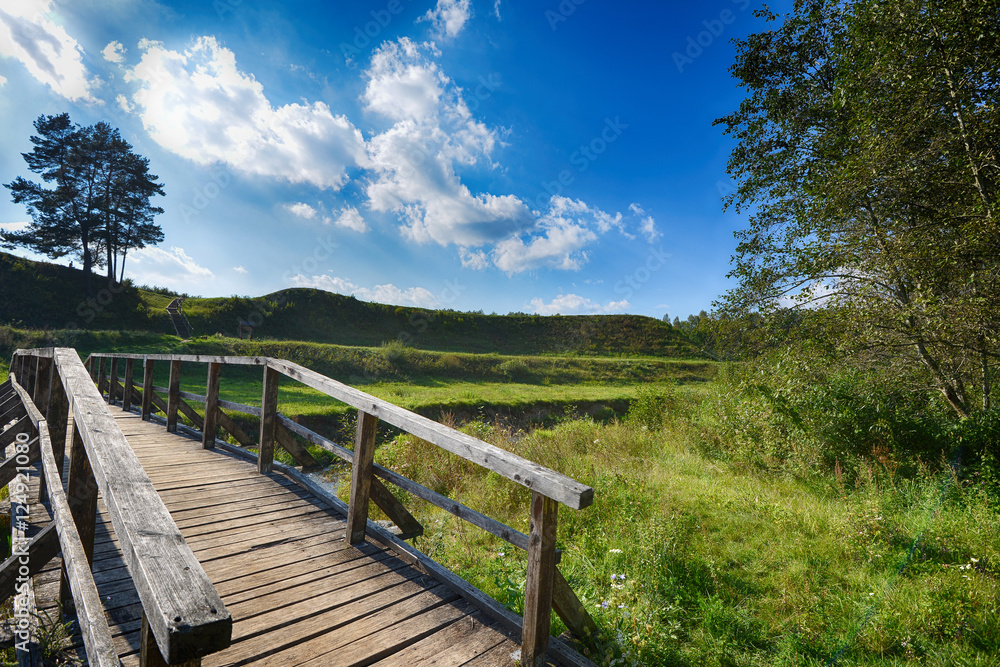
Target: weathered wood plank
234,429
268,421
361,477
532,475
173,399
147,389
570,609
113,382
186,614
292,446
87,601
541,572
128,385
211,424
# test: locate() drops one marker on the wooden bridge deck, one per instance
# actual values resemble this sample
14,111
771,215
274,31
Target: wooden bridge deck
297,592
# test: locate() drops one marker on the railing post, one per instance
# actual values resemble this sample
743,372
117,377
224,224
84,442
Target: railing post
211,424
147,389
361,477
43,380
541,574
113,381
173,395
127,385
268,420
101,375
81,494
149,652
57,416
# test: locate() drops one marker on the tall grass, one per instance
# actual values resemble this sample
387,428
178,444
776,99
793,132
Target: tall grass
694,558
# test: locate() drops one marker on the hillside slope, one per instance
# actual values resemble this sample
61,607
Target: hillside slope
38,295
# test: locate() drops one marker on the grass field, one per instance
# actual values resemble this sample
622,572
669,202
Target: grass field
686,557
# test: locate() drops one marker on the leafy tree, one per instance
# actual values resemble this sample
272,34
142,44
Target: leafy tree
867,155
98,204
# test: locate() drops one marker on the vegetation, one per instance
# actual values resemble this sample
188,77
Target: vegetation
318,316
867,152
98,207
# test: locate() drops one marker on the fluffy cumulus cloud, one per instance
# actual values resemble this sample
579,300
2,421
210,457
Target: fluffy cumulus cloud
389,293
171,268
559,240
415,162
573,304
349,218
198,104
302,210
449,16
114,52
28,34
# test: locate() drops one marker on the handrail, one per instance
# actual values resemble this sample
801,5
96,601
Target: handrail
545,587
182,612
90,612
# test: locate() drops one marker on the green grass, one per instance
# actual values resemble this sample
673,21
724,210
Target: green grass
687,561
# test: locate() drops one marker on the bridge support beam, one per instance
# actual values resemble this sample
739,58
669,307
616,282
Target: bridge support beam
147,389
127,388
541,574
268,421
173,396
211,425
361,477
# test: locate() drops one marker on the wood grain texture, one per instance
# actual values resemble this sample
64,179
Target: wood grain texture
361,477
268,421
541,572
211,425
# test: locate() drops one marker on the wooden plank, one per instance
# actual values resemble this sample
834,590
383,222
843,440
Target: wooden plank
361,476
128,385
23,425
43,373
463,640
240,407
189,358
57,417
292,446
234,429
269,406
211,424
147,389
113,382
541,572
87,601
186,614
173,399
102,375
190,413
407,523
570,609
12,466
536,477
34,555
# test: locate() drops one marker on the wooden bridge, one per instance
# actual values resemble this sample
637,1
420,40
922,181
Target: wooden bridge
177,548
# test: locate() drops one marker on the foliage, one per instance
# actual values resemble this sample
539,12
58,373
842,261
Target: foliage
867,153
99,204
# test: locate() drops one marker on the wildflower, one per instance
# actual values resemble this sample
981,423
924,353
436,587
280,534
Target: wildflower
622,606
614,551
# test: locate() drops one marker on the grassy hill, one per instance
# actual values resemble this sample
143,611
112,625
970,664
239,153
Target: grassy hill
38,295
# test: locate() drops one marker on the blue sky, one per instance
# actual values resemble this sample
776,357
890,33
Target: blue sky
552,156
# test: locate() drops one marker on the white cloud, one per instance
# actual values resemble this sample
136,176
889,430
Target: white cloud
647,226
199,105
302,210
170,268
388,293
46,50
573,304
476,260
123,103
415,161
349,218
12,227
496,10
3,79
114,52
241,270
450,16
559,240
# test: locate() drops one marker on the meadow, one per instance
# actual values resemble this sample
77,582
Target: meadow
743,515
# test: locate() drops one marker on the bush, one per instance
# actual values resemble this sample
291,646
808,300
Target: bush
652,407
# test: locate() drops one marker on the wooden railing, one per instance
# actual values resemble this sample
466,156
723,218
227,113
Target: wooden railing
183,617
545,588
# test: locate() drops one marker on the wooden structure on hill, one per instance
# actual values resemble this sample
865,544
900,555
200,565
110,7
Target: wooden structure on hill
178,318
180,549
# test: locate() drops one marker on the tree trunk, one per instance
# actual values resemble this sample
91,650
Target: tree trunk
87,260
